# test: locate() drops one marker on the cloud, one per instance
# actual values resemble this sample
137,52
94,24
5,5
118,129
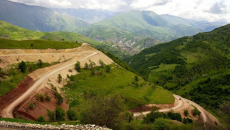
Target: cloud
193,9
218,8
161,2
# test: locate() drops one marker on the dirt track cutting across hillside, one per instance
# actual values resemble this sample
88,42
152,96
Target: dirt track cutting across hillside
181,106
43,74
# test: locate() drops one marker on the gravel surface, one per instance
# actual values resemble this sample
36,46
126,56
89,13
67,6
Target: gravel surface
26,126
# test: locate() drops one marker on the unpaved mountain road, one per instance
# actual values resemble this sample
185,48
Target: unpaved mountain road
8,111
182,105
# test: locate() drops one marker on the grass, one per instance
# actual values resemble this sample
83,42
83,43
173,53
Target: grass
36,44
9,31
12,76
118,81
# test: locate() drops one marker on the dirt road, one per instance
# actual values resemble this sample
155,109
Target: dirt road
181,105
8,111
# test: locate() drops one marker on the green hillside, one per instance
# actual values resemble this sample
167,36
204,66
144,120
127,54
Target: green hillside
97,82
37,18
145,43
9,31
196,67
138,25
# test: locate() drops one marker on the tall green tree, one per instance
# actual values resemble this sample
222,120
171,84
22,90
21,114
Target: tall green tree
60,113
77,66
22,66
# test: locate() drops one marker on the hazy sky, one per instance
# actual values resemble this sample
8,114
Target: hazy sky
211,10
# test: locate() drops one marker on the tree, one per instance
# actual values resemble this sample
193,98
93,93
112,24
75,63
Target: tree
59,98
86,66
102,64
186,112
22,66
187,121
136,78
47,97
195,112
41,119
107,68
40,63
72,115
77,66
51,115
60,113
151,117
102,111
59,78
31,106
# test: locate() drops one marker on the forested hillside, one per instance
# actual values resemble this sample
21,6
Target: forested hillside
196,67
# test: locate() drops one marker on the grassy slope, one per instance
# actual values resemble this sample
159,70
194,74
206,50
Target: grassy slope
188,65
13,32
11,77
36,44
118,81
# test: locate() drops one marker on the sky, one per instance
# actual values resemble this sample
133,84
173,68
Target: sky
209,10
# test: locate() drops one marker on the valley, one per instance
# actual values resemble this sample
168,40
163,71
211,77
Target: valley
122,65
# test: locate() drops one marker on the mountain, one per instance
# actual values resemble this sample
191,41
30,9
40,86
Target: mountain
176,20
205,25
37,18
9,31
89,15
132,26
196,67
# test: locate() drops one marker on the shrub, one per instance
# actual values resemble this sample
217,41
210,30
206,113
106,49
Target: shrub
72,115
40,63
40,97
59,98
41,119
59,78
77,66
102,64
195,112
151,117
22,66
31,106
107,68
51,115
186,112
60,113
102,111
136,78
86,66
174,116
47,97
187,121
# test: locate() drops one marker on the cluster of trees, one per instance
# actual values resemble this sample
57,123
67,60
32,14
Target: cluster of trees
151,117
212,91
59,114
23,67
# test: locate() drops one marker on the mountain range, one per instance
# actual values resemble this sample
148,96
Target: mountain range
128,30
37,18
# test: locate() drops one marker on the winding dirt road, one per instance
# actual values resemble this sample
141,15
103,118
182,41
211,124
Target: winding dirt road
8,111
181,105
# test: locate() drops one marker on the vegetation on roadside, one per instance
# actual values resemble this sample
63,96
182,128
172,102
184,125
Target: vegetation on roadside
11,76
